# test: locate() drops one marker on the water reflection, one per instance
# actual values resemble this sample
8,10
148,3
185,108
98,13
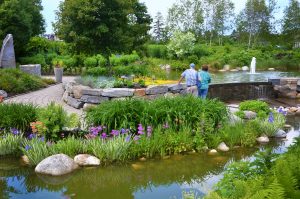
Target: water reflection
151,179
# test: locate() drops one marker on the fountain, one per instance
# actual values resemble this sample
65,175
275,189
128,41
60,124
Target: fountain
253,66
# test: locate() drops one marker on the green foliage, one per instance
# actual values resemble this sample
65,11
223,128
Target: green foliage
101,61
125,27
260,107
268,176
91,62
181,44
15,81
138,70
97,82
36,150
156,51
17,116
22,19
36,59
124,59
70,146
55,118
115,149
204,115
9,144
97,71
269,127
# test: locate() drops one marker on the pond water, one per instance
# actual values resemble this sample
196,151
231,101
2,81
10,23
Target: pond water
233,77
164,179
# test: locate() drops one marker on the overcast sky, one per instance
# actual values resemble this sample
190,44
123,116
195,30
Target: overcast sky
154,6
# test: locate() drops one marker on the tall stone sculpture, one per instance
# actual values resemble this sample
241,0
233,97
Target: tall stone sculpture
7,54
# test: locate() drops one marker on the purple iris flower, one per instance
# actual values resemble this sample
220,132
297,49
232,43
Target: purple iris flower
27,147
104,136
123,131
140,129
31,136
42,139
127,139
95,130
271,118
149,131
115,132
14,131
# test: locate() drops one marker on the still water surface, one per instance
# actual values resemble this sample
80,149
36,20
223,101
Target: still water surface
163,179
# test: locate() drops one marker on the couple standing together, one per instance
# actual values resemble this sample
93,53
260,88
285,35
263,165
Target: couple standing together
197,82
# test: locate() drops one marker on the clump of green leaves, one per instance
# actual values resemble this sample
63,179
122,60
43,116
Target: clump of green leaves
9,144
257,106
17,116
55,118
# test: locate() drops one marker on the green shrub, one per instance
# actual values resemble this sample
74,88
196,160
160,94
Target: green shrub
97,82
17,116
193,59
203,115
200,51
260,107
138,70
97,71
38,45
15,81
55,118
101,61
10,144
91,62
157,51
36,59
117,60
271,124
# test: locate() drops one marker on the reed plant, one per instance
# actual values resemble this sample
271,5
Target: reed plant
10,144
70,146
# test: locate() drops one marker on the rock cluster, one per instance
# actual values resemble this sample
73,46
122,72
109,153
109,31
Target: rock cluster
79,96
288,88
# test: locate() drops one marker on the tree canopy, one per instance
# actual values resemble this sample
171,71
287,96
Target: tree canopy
103,26
22,19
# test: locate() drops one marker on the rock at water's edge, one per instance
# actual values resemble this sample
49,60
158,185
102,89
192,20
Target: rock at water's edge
56,165
86,160
223,147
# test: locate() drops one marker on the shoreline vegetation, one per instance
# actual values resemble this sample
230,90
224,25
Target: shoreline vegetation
120,131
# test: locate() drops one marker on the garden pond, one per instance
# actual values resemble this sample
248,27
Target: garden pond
235,77
167,178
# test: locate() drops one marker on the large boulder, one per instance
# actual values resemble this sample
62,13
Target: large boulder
56,165
176,87
140,92
223,147
118,92
249,115
7,53
78,91
74,103
155,90
86,160
3,94
280,134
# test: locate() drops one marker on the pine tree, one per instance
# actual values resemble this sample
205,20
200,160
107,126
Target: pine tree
159,27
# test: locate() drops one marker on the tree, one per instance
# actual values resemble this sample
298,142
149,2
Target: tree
181,44
159,27
103,26
186,16
218,15
22,19
255,19
291,22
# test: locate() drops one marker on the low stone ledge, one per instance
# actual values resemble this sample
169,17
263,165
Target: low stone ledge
117,92
176,87
154,90
93,99
93,92
74,103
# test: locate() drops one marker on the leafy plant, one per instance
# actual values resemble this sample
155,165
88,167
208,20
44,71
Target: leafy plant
260,107
17,116
10,143
55,118
70,146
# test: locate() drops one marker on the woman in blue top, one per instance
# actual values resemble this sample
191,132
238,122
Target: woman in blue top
204,80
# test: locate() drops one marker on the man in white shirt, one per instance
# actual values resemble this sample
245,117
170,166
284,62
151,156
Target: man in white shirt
190,76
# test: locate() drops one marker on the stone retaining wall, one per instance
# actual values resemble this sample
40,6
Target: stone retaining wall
32,69
287,87
79,96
